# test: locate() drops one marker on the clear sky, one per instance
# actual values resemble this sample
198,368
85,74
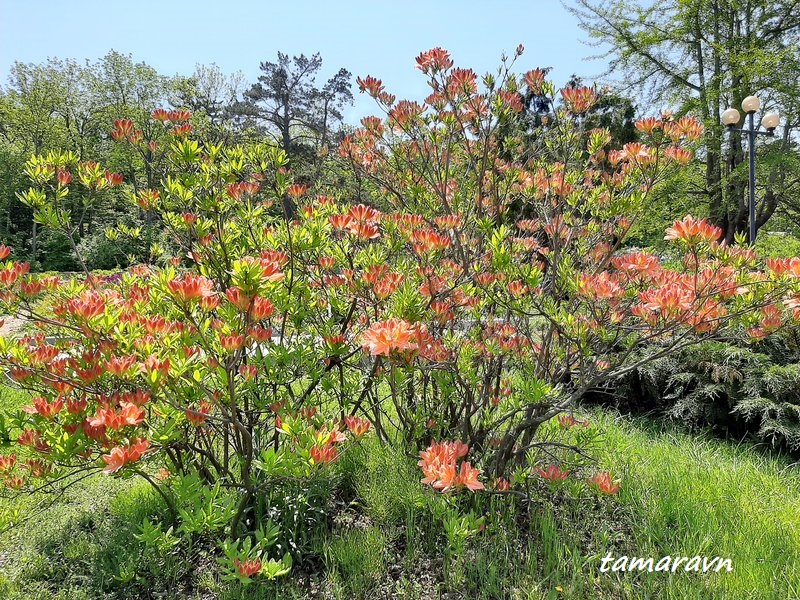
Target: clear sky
367,38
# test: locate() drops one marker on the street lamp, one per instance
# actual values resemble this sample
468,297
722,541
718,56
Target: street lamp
731,118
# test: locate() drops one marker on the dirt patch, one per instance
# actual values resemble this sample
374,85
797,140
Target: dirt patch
11,325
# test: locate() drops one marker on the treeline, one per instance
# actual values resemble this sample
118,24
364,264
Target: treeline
695,57
65,105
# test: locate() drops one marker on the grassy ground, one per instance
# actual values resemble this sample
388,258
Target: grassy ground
681,495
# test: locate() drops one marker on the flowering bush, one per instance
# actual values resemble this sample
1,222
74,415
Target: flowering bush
466,292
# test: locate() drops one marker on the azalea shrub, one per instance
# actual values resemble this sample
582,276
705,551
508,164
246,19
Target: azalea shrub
456,295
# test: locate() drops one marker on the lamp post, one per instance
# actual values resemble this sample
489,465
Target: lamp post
730,118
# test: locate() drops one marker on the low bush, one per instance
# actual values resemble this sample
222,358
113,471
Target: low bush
737,390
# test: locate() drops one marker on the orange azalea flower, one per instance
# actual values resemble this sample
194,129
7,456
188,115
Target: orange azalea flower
602,482
44,354
357,426
326,262
28,437
199,415
64,177
115,460
271,270
139,397
7,462
693,231
552,473
637,262
160,114
89,374
324,454
462,81
333,437
374,273
405,111
668,301
438,464
153,363
278,257
639,153
601,286
448,221
689,127
682,156
123,128
370,85
232,342
155,325
441,476
182,129
248,568
87,305
249,372
500,484
123,455
444,311
118,365
146,199
468,477
36,467
364,231
242,189
579,99
335,340
427,240
535,80
44,408
95,433
190,287
296,190
260,334
340,221
568,421
784,266
113,179
388,285
648,125
773,318
261,309
238,298
517,289
4,251
511,100
386,337
128,415
177,116
435,59
15,483
429,347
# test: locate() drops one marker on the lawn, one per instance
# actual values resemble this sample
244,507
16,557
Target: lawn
682,495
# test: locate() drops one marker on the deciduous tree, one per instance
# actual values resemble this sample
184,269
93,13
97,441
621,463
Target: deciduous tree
706,55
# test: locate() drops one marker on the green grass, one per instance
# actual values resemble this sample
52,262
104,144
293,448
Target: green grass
681,495
690,495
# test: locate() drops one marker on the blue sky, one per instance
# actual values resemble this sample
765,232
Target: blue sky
368,38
